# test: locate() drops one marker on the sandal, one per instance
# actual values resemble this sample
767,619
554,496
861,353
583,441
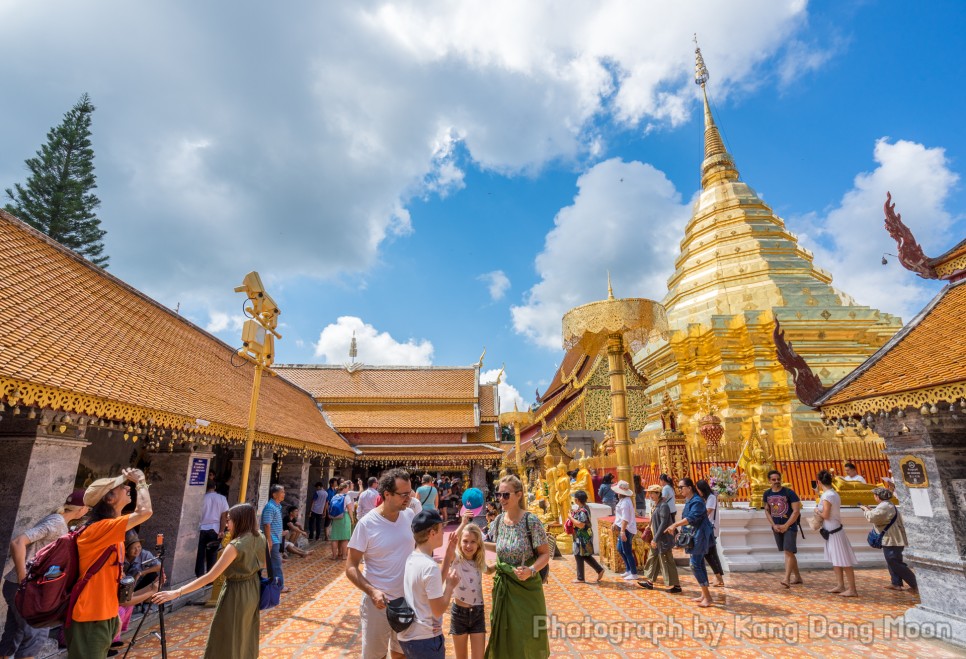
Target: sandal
600,575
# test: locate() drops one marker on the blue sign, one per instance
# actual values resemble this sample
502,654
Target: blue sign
199,471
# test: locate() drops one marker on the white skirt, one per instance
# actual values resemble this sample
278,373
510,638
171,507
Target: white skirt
838,549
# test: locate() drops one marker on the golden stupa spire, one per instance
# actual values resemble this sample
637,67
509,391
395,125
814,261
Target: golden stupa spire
610,289
718,164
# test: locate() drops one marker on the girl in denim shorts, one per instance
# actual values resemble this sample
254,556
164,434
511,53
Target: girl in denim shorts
467,617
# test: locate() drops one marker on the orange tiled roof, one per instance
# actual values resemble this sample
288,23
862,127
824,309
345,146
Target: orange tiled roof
70,325
332,382
929,351
459,451
487,402
487,434
376,418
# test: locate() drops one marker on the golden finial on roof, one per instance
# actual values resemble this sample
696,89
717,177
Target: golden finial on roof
718,164
610,289
479,364
499,376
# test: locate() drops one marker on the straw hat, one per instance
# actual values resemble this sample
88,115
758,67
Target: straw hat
656,489
99,489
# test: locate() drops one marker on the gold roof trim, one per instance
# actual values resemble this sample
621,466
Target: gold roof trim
43,396
945,393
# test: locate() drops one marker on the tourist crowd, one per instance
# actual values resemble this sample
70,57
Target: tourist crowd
390,533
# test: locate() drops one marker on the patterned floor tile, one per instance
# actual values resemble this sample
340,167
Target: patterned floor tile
753,617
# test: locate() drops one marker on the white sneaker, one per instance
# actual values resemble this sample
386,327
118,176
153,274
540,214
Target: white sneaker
630,576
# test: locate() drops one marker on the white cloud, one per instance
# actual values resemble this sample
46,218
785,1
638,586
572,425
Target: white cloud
375,347
508,393
219,321
627,217
850,239
497,282
311,150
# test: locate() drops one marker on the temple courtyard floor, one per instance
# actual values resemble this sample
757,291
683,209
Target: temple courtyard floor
754,617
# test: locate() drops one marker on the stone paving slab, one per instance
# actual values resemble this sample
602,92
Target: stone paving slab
755,617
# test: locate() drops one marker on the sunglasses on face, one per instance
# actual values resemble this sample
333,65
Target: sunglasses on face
503,495
406,494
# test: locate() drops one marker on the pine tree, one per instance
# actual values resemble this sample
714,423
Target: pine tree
57,198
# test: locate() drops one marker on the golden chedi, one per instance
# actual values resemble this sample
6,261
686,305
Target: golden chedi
739,268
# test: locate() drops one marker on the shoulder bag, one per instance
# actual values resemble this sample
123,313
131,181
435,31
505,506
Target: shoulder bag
545,572
271,589
875,538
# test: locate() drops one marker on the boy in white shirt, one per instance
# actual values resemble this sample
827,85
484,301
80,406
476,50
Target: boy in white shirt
424,590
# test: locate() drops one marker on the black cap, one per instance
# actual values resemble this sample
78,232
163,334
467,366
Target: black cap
426,519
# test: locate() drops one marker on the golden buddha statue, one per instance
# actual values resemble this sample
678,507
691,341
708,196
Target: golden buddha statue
550,473
608,444
584,481
856,493
563,491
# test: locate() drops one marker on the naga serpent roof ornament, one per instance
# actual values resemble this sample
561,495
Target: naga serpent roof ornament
910,253
808,386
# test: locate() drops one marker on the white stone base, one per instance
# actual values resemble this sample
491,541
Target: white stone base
922,622
746,542
597,510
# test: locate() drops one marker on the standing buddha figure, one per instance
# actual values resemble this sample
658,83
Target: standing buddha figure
584,481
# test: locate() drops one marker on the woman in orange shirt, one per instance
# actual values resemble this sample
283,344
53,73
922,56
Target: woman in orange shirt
94,622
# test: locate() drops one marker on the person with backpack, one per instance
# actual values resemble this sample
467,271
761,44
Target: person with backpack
20,639
340,530
93,621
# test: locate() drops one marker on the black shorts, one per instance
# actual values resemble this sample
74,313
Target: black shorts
787,541
467,620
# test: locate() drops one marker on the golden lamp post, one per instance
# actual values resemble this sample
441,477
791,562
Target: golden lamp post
518,420
615,324
258,347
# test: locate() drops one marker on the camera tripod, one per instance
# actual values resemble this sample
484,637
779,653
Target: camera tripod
160,633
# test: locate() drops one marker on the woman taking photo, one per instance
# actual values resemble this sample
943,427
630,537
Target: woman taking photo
711,506
695,515
838,550
584,538
887,521
522,551
234,629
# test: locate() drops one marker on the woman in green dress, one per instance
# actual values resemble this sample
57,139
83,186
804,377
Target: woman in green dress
234,629
340,530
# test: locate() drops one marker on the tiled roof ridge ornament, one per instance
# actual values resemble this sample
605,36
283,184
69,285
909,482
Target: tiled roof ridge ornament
910,252
808,386
352,365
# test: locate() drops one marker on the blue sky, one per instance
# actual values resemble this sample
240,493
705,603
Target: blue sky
377,163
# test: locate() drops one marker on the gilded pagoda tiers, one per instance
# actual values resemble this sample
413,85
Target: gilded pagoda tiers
739,270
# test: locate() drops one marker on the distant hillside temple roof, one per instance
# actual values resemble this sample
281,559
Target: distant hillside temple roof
416,415
84,343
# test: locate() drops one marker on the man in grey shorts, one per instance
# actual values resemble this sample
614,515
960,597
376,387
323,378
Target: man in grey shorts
384,537
783,510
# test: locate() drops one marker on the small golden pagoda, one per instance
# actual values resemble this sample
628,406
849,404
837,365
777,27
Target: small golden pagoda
738,271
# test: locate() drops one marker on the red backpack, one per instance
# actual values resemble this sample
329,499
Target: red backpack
47,595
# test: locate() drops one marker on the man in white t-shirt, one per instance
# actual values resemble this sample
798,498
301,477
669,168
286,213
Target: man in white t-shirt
214,516
385,539
424,589
852,474
367,500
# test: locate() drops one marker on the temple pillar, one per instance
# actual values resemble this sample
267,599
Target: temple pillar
36,476
255,470
478,477
934,514
293,474
177,481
